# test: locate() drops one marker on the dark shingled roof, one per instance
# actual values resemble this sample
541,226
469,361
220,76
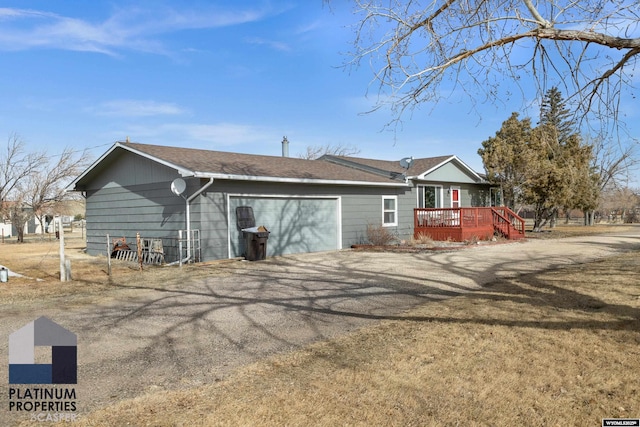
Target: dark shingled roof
417,167
328,169
225,163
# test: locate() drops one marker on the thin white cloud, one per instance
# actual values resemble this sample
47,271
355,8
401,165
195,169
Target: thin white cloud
223,134
126,29
220,133
273,44
310,27
136,108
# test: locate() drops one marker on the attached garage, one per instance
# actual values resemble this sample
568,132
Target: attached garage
297,224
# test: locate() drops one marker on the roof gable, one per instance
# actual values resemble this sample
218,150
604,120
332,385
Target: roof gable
452,169
428,168
449,172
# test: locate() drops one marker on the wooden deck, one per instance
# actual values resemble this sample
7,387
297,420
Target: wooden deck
460,224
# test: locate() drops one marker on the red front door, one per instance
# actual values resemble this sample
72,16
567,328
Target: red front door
455,198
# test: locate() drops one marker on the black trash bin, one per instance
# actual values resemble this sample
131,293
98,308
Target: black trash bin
255,239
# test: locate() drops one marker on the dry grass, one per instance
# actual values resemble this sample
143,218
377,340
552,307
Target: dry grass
424,239
378,235
563,230
559,347
39,261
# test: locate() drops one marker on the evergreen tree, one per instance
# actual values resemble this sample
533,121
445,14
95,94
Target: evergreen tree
544,184
571,158
556,117
558,176
547,167
504,157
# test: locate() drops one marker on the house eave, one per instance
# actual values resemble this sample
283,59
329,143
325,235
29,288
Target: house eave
421,180
233,177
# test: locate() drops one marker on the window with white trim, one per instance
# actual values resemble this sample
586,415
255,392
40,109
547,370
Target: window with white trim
389,211
429,196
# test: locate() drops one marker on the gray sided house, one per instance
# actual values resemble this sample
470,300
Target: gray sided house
307,205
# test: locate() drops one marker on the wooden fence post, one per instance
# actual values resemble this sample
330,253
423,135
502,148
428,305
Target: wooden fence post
63,270
108,256
139,248
180,247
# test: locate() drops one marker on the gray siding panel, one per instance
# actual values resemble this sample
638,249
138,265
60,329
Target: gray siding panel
132,195
449,172
128,169
210,217
124,211
366,208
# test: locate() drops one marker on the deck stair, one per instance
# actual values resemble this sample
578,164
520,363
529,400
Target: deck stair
507,223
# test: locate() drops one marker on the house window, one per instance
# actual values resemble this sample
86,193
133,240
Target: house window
430,196
495,197
389,211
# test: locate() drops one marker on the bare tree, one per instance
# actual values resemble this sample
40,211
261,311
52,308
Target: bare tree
612,164
31,183
16,165
620,204
46,187
317,151
420,50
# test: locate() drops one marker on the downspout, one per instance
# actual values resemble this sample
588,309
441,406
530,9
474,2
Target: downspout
189,199
188,220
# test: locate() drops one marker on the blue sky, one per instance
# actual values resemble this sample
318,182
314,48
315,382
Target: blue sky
220,75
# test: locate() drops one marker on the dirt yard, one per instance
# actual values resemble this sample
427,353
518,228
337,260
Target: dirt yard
164,329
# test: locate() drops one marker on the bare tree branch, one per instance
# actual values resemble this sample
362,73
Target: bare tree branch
419,50
317,151
536,15
613,163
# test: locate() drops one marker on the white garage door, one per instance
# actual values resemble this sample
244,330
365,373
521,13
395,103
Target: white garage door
296,224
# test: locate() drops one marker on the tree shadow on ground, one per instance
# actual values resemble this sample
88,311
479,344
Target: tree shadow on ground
196,330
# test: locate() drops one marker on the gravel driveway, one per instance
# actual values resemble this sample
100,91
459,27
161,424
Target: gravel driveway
198,332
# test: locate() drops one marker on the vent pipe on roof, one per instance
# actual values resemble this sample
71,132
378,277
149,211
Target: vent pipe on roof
285,147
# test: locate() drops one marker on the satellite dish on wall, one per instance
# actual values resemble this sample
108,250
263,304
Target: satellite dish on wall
406,162
178,186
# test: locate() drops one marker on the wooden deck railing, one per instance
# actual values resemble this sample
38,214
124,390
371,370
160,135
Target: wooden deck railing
452,217
464,223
